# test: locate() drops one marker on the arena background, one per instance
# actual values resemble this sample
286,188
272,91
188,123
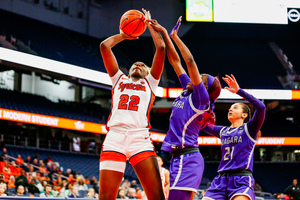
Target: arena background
54,89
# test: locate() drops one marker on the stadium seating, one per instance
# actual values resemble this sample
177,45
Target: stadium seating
40,105
49,44
87,164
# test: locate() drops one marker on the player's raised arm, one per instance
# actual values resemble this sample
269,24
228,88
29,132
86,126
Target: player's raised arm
159,56
173,56
109,59
187,56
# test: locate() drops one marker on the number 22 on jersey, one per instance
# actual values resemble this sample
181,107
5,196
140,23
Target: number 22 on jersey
129,102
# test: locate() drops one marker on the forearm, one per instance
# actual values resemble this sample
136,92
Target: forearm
108,57
257,104
213,130
159,56
173,56
185,52
256,122
157,39
111,41
189,60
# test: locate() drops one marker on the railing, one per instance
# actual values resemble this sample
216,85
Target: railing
46,144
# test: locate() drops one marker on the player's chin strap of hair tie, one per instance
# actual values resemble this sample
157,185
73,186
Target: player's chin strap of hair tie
210,81
175,28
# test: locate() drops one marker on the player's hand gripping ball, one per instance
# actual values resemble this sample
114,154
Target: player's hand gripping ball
132,23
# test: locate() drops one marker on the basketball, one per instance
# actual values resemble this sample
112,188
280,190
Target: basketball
132,23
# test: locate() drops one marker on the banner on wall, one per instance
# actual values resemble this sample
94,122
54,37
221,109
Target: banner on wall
46,120
263,141
64,123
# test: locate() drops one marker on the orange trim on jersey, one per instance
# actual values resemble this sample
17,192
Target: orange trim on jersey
149,84
118,81
141,156
112,156
149,109
112,102
150,104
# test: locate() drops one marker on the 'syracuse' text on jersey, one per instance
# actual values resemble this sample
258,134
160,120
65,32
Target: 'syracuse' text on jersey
129,110
238,143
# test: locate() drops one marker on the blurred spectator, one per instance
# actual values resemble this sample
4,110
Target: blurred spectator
26,167
11,182
19,160
71,179
47,193
6,167
126,184
3,155
91,193
59,182
54,191
48,179
81,185
2,180
49,167
76,144
74,191
257,187
48,160
68,190
293,191
35,163
281,196
32,188
79,175
20,190
31,171
28,160
94,181
13,167
3,190
131,193
86,180
64,188
55,169
38,183
121,194
139,194
21,180
43,169
44,183
36,156
134,184
68,172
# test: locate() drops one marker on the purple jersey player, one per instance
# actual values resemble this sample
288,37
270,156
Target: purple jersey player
235,180
197,98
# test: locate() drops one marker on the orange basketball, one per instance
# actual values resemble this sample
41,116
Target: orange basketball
132,23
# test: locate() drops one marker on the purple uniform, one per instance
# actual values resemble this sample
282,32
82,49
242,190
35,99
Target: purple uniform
186,170
237,154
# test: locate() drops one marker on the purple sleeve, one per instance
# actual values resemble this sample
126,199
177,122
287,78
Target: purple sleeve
184,80
256,122
200,96
213,130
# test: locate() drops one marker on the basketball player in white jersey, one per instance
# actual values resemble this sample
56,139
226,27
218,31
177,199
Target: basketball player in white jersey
128,136
165,176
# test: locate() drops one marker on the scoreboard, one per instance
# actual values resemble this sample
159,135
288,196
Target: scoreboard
244,11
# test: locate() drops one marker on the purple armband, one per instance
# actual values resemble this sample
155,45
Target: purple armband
210,81
175,27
